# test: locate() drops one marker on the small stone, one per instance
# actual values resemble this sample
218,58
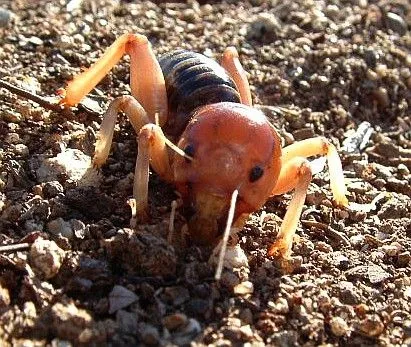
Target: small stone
376,274
46,258
177,295
281,306
200,308
407,327
229,279
372,325
339,326
120,297
244,288
396,23
186,335
371,58
127,321
175,321
348,293
265,27
65,42
404,258
60,227
51,189
36,41
12,116
246,316
68,321
403,170
5,17
246,332
149,334
304,133
234,257
4,297
21,150
357,241
78,227
72,164
392,249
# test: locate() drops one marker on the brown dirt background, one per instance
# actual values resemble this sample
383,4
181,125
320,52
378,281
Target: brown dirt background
328,65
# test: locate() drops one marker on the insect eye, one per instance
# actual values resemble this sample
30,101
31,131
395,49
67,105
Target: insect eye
256,173
189,150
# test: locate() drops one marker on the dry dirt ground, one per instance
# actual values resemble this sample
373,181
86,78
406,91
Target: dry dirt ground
338,68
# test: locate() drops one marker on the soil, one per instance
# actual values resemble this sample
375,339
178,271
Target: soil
77,274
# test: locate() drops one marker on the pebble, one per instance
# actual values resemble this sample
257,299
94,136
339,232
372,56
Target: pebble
376,274
149,334
4,297
51,189
198,308
20,149
371,58
371,325
60,227
175,321
234,258
348,293
127,321
244,288
265,27
396,23
403,170
120,297
5,17
177,295
392,249
72,164
281,306
68,321
339,326
186,335
46,257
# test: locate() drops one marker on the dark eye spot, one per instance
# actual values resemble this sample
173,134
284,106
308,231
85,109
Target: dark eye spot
256,173
189,150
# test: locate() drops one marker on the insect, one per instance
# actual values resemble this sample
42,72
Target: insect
198,130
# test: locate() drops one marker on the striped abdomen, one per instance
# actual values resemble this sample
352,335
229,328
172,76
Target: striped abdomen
193,80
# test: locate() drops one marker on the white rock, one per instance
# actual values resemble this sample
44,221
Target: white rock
46,258
72,164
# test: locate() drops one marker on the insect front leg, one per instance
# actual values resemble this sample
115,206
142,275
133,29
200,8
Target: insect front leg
152,150
296,174
321,146
232,65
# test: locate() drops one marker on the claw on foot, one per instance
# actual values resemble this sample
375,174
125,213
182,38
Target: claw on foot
136,213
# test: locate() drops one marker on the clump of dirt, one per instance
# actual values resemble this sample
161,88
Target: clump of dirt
78,274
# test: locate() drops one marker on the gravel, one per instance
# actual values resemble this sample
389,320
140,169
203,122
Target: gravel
340,70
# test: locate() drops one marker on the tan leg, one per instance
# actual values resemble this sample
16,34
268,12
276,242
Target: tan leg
321,146
151,150
147,80
232,64
295,173
135,113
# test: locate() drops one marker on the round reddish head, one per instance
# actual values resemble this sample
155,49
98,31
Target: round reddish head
233,146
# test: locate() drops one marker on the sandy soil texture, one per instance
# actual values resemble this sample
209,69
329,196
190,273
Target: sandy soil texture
73,273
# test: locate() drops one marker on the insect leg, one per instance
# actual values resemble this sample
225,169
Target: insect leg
295,174
321,146
135,113
152,151
147,81
232,65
